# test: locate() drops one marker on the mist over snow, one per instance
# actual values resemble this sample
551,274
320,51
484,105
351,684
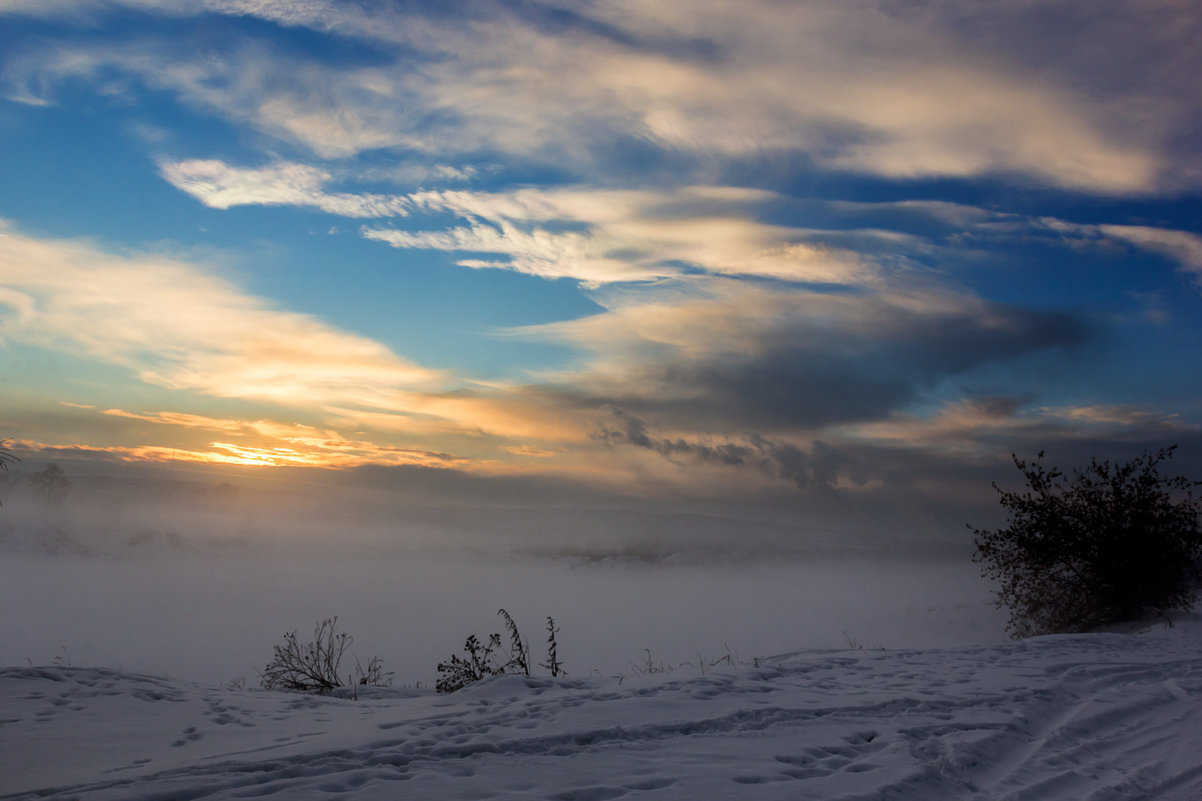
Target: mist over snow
197,576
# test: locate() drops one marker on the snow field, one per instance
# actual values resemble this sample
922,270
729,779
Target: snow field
1102,716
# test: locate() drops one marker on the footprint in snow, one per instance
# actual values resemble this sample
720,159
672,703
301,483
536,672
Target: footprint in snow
822,761
651,784
190,735
589,794
750,779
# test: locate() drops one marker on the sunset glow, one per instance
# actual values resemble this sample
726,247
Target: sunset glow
750,249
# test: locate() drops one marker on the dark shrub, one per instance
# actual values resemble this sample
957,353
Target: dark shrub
1114,543
480,661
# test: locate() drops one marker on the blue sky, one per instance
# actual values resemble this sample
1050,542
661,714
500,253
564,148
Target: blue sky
852,253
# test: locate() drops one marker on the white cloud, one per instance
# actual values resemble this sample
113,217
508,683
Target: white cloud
539,253
718,317
589,235
175,325
1182,246
180,327
854,86
629,235
220,186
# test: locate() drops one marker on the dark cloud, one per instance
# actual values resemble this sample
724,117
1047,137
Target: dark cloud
922,487
1090,50
803,375
628,429
560,21
819,467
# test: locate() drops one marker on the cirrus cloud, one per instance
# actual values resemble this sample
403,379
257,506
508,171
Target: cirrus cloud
220,186
590,235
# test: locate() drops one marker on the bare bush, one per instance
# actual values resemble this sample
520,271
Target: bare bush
519,661
315,666
649,666
373,674
483,660
480,662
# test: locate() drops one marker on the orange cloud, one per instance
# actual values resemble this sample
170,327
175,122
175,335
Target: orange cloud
181,419
346,454
1112,415
529,450
268,442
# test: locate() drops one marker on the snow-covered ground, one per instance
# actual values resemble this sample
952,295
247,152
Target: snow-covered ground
1101,716
899,683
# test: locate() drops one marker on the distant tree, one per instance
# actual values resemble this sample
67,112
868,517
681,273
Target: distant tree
225,493
1114,543
6,456
53,482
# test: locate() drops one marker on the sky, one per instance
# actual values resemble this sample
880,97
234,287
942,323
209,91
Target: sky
838,260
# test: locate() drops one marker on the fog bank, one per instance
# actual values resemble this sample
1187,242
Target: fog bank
213,617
